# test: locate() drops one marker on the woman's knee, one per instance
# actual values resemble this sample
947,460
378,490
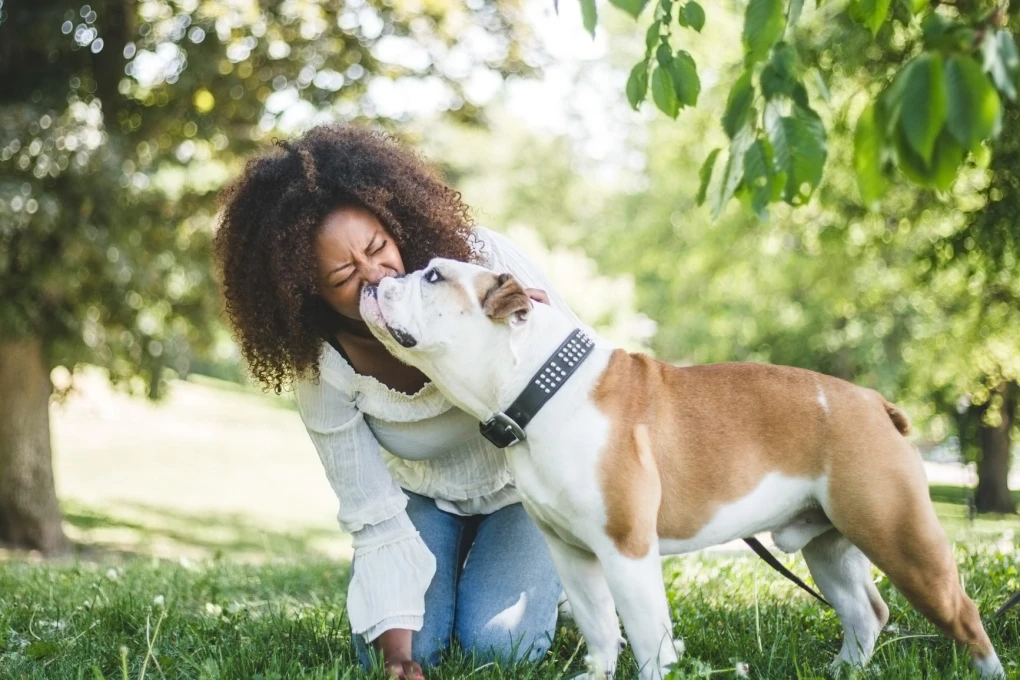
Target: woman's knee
517,633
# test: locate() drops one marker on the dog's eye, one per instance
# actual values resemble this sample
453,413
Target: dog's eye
433,276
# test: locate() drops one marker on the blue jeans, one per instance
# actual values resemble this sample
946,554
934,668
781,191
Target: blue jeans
495,590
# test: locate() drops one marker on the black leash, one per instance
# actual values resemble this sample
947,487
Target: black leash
1012,602
771,560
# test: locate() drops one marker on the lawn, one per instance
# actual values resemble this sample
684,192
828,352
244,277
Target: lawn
208,551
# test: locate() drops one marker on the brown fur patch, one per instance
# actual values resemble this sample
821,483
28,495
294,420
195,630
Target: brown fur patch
715,431
630,484
501,296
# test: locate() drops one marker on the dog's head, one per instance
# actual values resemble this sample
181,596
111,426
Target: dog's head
449,320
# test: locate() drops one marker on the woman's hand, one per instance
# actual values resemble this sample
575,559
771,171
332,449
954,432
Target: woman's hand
395,645
404,670
537,295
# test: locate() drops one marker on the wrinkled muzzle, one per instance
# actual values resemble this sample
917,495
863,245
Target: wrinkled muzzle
381,308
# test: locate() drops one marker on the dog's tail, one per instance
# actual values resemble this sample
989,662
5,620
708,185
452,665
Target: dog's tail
897,416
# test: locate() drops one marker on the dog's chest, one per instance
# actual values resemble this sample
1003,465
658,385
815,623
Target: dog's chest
556,470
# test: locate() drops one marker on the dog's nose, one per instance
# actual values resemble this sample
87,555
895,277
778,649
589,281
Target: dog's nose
372,290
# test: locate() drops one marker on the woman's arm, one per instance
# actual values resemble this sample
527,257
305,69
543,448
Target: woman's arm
393,565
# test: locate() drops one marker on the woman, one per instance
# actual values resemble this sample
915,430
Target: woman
442,548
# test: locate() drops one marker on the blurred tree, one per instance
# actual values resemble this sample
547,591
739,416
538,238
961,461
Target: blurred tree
936,104
919,300
118,122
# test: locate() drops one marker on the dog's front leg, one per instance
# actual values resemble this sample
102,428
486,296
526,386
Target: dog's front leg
591,604
640,595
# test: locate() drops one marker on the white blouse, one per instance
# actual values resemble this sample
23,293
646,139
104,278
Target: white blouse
374,441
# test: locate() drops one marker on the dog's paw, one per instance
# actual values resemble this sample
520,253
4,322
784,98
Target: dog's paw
680,647
596,670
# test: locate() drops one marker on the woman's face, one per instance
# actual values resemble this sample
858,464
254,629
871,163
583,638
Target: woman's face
352,250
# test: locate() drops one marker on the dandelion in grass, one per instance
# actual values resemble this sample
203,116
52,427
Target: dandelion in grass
159,601
742,669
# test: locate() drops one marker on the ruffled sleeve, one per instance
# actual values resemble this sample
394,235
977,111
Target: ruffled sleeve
393,566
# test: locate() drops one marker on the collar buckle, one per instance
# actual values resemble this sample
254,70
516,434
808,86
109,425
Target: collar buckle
502,430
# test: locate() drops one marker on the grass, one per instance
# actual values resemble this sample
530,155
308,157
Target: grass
232,568
285,620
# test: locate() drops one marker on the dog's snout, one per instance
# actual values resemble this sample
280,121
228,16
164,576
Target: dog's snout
371,289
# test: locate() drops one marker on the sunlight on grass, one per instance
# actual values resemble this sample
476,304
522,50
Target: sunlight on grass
212,469
208,516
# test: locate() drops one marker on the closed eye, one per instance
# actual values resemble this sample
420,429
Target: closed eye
433,276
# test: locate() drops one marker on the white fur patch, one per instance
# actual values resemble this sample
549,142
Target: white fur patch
822,400
770,506
990,666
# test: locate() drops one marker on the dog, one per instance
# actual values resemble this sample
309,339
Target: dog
631,458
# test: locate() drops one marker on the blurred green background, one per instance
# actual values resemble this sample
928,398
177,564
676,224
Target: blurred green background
119,122
128,427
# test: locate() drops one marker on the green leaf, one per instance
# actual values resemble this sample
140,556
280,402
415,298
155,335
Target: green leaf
823,87
652,36
909,163
733,172
685,79
924,105
799,152
637,84
890,102
1001,61
758,176
869,139
784,59
974,106
793,16
764,22
871,13
631,7
946,161
934,28
705,174
695,15
915,7
738,104
663,92
589,16
779,77
664,56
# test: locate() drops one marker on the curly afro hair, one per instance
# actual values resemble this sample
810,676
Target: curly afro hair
269,219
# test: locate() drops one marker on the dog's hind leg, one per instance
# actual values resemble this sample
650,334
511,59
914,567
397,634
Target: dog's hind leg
843,574
591,605
883,507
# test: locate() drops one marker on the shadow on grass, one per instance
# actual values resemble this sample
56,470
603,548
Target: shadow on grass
137,528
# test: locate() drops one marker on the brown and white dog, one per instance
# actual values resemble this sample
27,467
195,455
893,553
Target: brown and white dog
633,459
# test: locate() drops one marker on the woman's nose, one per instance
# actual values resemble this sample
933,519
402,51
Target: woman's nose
377,272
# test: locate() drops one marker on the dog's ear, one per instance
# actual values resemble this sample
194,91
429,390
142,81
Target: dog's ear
504,298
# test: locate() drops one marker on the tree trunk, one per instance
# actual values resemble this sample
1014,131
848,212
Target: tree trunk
993,493
29,512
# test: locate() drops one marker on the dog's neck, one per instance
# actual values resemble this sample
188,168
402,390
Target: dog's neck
495,386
